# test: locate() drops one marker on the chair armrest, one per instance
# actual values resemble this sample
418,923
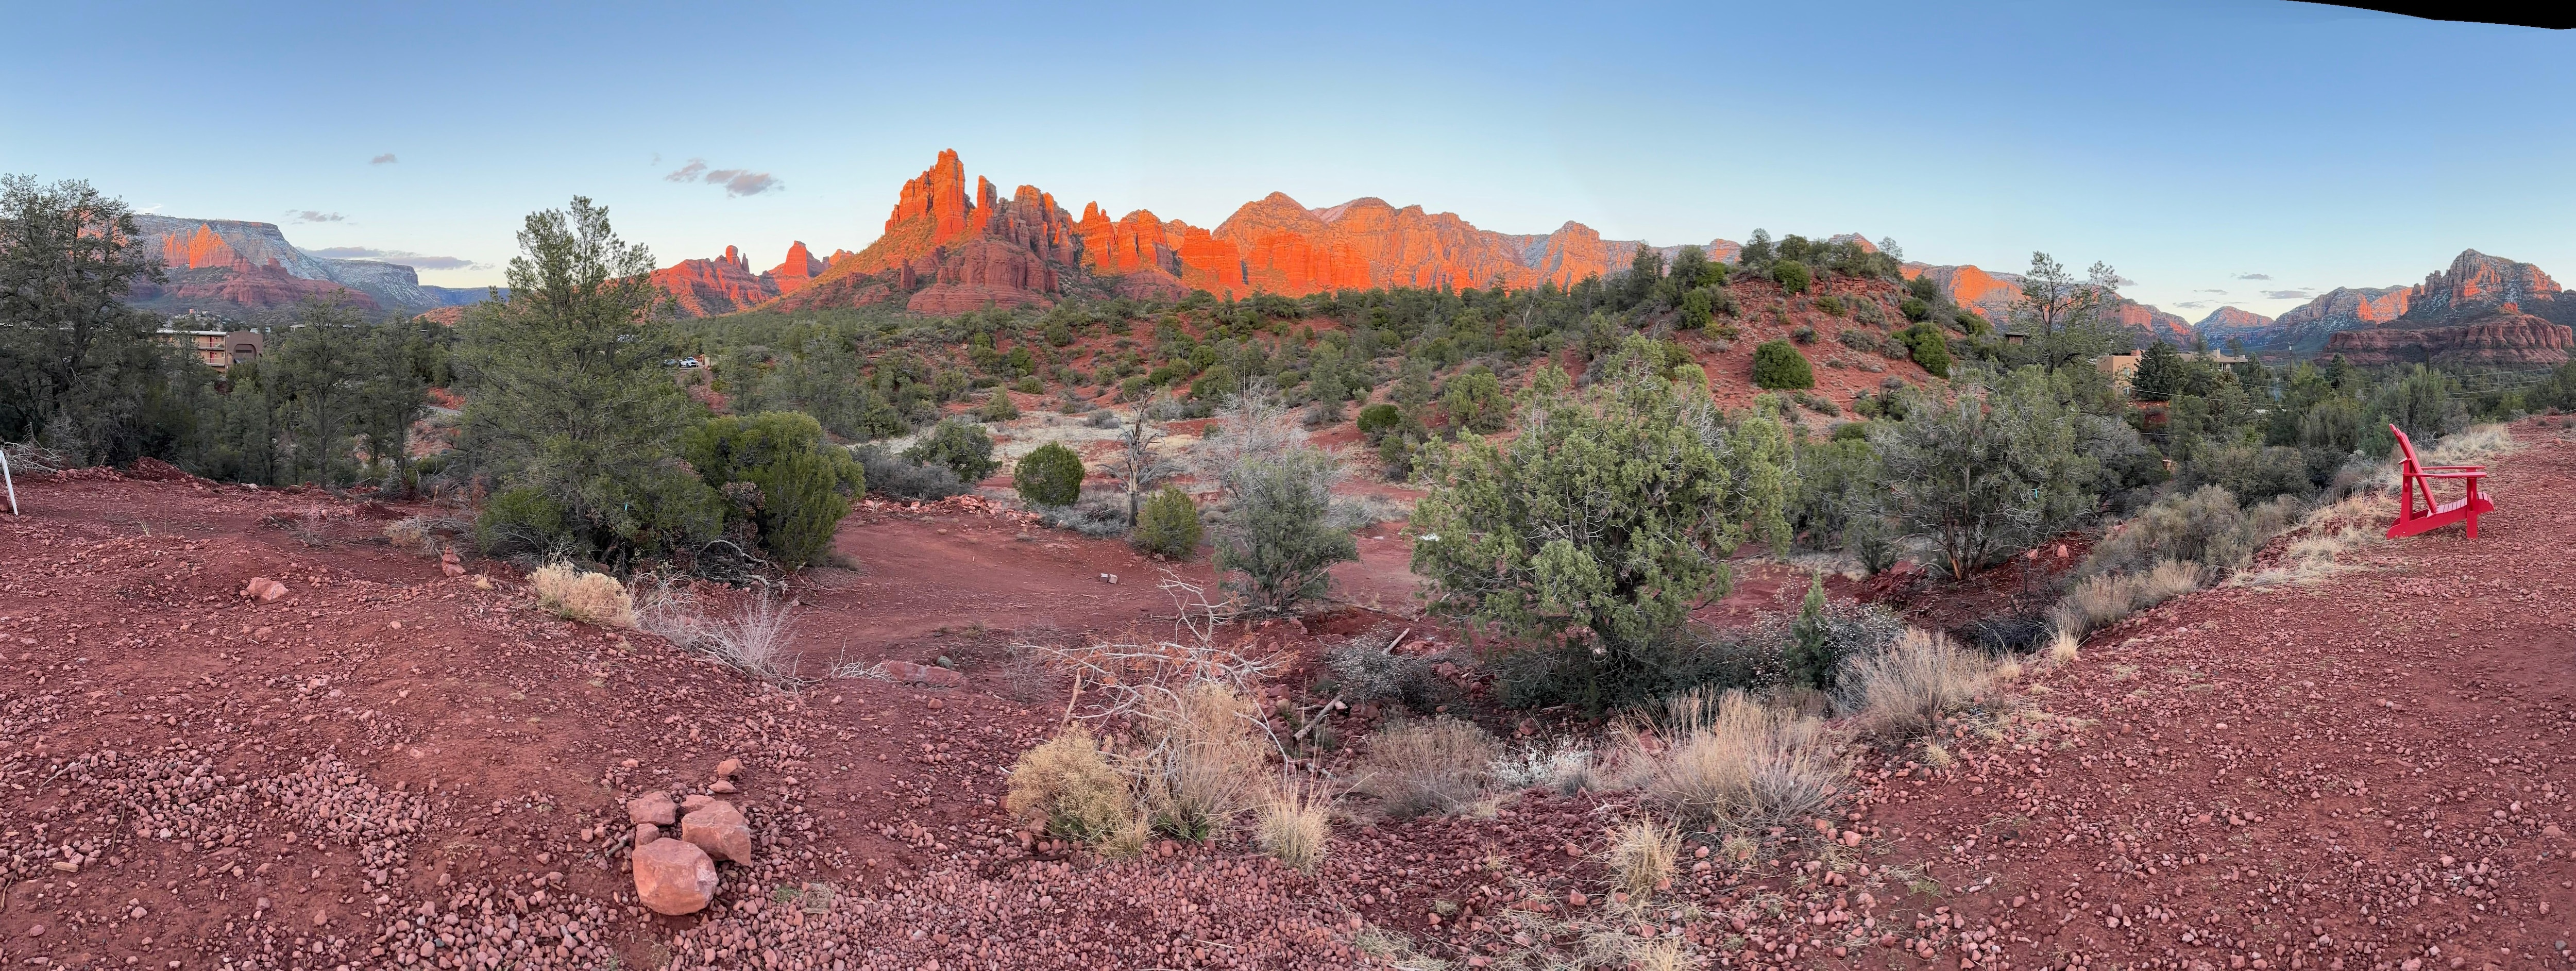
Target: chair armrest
2431,467
2451,475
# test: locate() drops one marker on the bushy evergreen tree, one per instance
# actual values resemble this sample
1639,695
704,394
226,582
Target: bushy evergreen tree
1050,475
801,485
1777,365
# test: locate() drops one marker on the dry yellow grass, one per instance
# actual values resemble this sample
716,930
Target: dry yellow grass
412,534
1435,766
2327,534
1067,785
1206,763
1296,824
2100,601
1746,764
1903,692
1642,856
575,594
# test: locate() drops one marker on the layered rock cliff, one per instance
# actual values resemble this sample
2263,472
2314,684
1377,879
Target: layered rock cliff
797,270
2502,336
707,287
2473,286
202,255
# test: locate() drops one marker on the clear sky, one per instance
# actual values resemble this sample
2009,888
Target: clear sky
2215,151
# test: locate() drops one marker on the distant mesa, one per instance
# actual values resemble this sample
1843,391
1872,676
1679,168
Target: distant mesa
232,267
2468,292
2503,335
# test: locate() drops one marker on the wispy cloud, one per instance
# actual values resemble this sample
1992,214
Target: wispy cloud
2194,304
2253,276
736,182
315,216
417,261
384,159
2288,294
2220,292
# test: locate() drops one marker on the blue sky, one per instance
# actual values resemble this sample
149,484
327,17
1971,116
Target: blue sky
2215,151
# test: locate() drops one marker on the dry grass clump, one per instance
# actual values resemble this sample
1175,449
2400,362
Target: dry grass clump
1902,692
2061,649
1295,825
756,639
1564,765
1435,766
1203,763
413,533
1744,763
577,594
1067,784
2474,445
2097,602
1642,856
2326,535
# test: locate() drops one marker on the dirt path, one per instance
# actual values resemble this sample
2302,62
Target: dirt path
2368,772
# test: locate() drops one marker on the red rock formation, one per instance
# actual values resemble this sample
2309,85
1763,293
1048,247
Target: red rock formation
984,273
2228,323
1991,295
2149,324
265,287
706,288
2505,336
2474,284
796,271
200,250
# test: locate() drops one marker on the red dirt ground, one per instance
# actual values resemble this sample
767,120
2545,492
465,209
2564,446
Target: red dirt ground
2346,776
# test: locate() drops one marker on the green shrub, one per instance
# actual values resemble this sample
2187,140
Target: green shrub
2253,473
1777,364
1280,534
1031,384
801,485
1928,347
1215,384
1830,304
961,446
1059,333
1914,309
1378,419
1697,305
524,519
1793,276
1475,401
2204,526
897,477
999,407
1049,476
1168,524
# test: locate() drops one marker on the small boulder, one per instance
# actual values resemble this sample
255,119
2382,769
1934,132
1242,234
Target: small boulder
695,802
923,674
721,785
729,768
449,564
674,877
646,833
264,590
652,807
721,830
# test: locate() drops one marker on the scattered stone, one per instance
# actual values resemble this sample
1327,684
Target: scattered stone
720,829
696,801
674,877
721,785
652,808
448,563
646,833
728,768
923,674
264,590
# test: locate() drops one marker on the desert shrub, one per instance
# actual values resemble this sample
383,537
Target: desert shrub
521,520
414,534
576,594
1375,421
1295,825
1050,475
1903,692
1777,364
962,447
1214,384
801,485
1926,345
1743,764
1475,401
1590,536
2204,526
1642,855
1812,643
1434,766
1099,513
2096,602
894,476
1860,340
1281,533
2326,534
2251,473
2009,634
1168,524
1203,761
1831,304
1914,308
1792,275
754,639
1068,785
1564,765
999,407
1639,672
1985,475
1367,670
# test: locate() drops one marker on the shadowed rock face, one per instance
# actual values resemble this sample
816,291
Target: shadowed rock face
2503,336
2227,323
706,287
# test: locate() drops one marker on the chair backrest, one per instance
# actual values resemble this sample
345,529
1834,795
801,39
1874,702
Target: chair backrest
2407,448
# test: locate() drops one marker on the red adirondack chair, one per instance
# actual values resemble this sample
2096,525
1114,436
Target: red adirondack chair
2418,477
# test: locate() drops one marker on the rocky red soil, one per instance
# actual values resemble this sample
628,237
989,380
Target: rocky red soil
388,766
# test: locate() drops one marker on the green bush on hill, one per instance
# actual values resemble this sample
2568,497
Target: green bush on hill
1778,365
1050,475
